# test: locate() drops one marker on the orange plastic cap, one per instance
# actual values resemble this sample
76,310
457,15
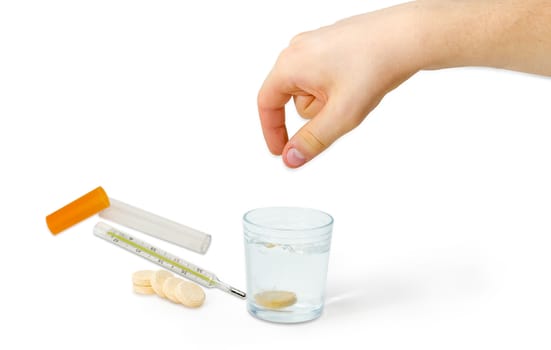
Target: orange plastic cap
78,210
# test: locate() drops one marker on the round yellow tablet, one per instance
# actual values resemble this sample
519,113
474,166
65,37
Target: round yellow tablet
189,294
157,281
275,299
145,290
169,288
142,278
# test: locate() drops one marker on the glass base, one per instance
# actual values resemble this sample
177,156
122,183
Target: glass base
284,316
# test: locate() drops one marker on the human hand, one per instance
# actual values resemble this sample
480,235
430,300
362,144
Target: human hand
336,76
339,73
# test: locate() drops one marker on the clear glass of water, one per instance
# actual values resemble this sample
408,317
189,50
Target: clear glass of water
287,253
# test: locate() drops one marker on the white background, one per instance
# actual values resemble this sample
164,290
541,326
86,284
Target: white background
441,198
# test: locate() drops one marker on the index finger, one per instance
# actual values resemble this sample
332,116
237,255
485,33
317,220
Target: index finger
272,97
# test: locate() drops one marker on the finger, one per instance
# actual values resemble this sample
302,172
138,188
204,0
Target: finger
308,106
271,101
318,134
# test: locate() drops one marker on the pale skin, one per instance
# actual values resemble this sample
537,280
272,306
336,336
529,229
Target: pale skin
338,74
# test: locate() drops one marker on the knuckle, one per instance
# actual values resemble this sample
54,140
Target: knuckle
313,141
298,38
286,57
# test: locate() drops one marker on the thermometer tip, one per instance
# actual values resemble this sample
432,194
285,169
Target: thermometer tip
238,293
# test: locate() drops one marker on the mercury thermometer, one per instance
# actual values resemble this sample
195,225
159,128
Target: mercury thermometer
164,259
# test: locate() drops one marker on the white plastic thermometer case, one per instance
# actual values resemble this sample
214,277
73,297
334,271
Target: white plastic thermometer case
156,226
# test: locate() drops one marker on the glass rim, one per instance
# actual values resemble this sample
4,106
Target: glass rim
247,220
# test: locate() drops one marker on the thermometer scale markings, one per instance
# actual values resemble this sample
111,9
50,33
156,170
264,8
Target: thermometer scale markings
153,252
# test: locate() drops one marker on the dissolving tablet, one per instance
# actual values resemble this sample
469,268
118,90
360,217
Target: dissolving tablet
275,299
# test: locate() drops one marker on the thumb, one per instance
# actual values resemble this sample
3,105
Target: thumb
318,134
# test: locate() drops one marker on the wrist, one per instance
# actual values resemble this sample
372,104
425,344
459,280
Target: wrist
443,30
491,33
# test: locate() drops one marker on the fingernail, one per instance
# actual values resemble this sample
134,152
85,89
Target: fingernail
295,158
